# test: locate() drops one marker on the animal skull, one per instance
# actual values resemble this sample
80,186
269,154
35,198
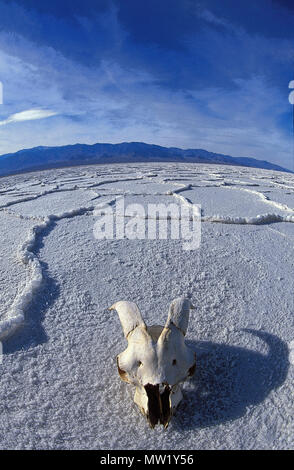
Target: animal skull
157,359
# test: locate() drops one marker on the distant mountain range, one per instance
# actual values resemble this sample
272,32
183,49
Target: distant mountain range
40,158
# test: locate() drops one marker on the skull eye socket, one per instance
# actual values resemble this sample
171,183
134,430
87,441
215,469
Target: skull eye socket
139,363
174,362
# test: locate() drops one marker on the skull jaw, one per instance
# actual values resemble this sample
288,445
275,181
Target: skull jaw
142,399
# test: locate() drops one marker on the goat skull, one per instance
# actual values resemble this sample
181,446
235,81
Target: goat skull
157,359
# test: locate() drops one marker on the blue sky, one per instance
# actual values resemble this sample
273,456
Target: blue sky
193,74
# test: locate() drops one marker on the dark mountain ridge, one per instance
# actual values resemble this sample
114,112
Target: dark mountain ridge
39,158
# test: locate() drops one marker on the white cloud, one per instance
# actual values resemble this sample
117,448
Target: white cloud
28,115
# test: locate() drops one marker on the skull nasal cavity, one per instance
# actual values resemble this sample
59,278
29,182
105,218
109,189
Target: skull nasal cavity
158,404
153,403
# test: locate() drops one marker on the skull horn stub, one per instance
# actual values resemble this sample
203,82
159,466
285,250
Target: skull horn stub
158,405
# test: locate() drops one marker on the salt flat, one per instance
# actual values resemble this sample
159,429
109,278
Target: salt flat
59,387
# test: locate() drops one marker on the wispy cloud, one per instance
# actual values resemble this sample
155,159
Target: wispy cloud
28,115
